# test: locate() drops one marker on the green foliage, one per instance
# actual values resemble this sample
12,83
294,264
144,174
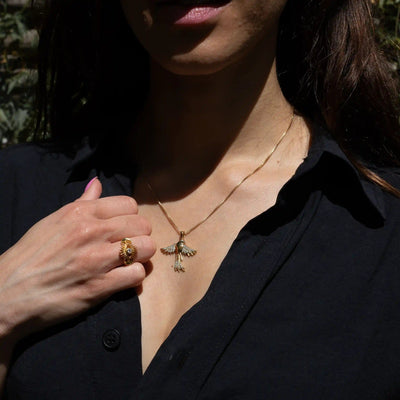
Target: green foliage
18,42
387,19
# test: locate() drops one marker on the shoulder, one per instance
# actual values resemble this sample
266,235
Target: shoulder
390,175
29,167
29,156
389,203
32,178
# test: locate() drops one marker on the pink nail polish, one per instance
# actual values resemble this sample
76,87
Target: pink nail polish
90,183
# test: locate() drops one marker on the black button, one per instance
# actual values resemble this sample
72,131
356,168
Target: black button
111,339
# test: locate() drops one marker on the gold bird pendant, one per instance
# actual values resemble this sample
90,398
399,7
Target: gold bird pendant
179,249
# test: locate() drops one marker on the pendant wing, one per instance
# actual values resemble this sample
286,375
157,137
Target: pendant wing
169,249
188,252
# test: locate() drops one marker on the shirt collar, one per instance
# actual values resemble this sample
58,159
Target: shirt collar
90,156
322,145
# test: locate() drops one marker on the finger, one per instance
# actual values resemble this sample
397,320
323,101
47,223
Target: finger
112,281
124,278
92,191
102,209
145,249
114,206
125,226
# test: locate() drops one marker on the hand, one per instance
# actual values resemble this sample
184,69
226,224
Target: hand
69,261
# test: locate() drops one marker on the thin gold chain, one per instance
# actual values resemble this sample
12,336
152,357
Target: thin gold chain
171,221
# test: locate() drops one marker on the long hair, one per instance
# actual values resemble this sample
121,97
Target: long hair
93,75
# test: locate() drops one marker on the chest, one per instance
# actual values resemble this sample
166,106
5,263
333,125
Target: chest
181,271
294,311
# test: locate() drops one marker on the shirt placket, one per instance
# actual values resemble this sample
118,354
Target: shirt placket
188,356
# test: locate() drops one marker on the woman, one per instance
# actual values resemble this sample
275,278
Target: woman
259,257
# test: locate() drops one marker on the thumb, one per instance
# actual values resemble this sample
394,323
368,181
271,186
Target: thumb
92,191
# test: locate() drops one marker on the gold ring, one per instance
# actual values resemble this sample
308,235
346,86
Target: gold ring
128,251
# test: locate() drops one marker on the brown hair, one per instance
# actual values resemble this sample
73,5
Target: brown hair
333,70
329,66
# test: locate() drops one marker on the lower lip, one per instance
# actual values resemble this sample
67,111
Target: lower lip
188,15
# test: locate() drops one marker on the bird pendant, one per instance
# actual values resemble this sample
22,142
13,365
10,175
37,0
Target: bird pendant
179,249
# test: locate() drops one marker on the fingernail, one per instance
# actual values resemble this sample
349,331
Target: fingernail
90,183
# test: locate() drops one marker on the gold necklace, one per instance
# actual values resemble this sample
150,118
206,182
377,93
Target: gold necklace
180,248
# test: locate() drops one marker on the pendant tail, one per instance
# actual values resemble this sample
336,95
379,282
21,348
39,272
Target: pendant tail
178,266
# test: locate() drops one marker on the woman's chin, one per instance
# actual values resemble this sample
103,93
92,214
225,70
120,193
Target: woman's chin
192,66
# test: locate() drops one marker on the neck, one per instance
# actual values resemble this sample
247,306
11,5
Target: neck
191,124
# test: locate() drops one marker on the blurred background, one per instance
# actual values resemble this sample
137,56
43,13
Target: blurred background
19,39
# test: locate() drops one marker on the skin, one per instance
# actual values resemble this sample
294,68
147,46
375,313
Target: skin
220,79
214,111
215,104
210,48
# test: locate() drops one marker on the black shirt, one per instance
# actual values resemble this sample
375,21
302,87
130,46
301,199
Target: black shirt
306,304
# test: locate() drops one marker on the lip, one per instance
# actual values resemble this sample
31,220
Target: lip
191,3
183,13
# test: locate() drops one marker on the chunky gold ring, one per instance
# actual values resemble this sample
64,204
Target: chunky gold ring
128,251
